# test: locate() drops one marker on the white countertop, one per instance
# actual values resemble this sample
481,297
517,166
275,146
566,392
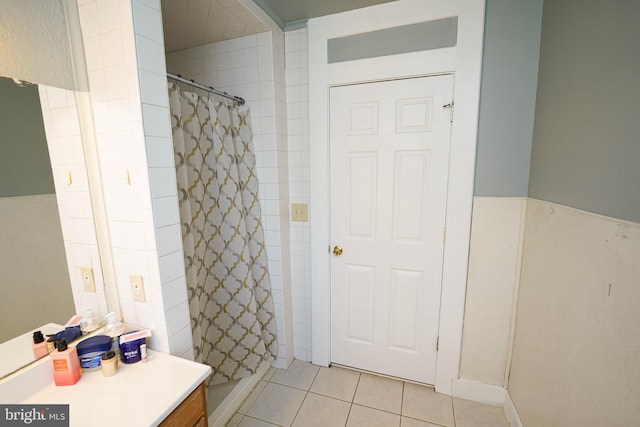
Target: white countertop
140,394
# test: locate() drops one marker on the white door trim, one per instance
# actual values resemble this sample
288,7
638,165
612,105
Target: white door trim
465,61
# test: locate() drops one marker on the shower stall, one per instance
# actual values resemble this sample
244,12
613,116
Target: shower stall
222,149
228,282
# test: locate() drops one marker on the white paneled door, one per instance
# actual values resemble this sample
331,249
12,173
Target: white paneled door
389,168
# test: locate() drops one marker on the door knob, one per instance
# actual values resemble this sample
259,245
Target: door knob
337,250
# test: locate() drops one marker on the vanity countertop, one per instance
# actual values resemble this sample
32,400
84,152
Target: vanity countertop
17,352
140,394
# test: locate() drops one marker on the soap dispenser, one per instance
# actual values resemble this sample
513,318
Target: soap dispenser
66,365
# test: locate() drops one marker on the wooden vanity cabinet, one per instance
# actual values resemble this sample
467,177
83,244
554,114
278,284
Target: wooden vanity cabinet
192,412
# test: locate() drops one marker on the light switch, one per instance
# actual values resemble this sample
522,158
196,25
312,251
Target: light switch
299,212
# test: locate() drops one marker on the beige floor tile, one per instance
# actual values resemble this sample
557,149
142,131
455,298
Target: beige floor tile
269,374
474,414
425,404
235,420
246,405
299,375
379,392
321,411
361,416
254,422
336,382
277,404
410,422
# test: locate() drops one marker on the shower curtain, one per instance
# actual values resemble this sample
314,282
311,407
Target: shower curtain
229,289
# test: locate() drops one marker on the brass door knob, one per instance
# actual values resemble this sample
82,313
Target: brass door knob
337,250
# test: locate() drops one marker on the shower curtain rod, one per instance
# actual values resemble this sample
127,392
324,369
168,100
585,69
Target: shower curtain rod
209,89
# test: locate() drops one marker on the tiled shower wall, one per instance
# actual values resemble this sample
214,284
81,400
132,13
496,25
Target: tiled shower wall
231,66
126,67
253,67
297,72
123,42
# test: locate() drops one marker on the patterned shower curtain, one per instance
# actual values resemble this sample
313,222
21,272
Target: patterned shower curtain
229,289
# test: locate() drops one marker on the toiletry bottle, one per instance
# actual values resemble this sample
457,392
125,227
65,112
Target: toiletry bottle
143,353
39,345
66,365
50,343
109,363
90,322
114,329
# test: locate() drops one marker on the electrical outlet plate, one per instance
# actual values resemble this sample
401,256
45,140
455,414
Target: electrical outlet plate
88,282
137,287
299,212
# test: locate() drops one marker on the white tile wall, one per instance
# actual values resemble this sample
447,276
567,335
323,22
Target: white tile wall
253,67
127,77
125,59
72,194
297,87
147,17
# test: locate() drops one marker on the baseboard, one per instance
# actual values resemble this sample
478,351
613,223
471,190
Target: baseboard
511,412
487,393
230,405
478,392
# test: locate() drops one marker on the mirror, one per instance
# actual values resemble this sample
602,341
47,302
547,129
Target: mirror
36,288
42,43
47,232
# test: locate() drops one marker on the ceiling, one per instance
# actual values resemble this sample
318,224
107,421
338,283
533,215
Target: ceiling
190,23
285,12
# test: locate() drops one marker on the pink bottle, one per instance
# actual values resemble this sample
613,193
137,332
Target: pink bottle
66,365
39,345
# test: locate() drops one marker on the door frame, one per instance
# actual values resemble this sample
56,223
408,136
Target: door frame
464,61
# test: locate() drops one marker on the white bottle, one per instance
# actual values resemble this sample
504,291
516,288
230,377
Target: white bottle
114,329
90,322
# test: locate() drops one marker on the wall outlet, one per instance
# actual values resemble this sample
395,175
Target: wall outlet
299,212
137,287
88,282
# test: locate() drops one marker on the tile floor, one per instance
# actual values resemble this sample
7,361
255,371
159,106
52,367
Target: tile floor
307,395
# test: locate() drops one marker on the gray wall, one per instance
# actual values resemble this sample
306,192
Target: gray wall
35,287
586,140
576,349
507,97
24,157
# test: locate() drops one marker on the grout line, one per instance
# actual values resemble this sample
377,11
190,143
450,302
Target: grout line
257,419
314,378
378,409
348,415
353,398
357,385
422,421
402,400
299,407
